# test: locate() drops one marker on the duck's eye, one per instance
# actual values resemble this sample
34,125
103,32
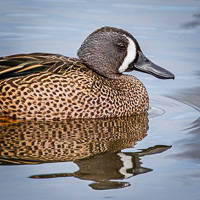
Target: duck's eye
121,45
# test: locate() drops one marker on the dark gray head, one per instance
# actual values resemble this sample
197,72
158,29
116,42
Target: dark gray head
111,51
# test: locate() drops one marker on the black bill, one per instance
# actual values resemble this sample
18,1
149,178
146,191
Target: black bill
143,64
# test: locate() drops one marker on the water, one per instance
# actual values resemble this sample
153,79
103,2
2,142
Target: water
154,157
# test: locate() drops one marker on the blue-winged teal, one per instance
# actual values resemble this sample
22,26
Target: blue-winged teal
44,86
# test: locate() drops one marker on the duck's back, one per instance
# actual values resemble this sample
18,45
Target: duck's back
53,87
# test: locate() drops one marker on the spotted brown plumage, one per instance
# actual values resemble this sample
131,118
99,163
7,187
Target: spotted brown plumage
53,87
70,90
68,140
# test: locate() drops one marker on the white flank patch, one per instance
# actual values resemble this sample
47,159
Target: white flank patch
131,54
127,164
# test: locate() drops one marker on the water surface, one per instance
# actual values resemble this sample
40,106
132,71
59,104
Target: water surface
144,157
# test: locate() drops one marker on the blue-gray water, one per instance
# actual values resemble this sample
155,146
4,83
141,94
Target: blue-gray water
167,159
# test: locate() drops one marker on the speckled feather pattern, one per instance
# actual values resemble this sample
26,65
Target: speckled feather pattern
30,141
69,89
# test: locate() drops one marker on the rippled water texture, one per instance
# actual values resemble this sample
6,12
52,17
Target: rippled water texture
154,156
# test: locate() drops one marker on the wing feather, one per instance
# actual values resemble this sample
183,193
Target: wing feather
24,64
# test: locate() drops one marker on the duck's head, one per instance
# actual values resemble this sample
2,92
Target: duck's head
111,51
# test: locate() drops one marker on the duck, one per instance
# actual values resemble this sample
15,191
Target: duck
46,86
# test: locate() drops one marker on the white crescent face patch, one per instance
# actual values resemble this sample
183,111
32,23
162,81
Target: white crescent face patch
131,54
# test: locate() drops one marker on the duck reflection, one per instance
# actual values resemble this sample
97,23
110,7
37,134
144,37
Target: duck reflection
94,145
69,140
106,170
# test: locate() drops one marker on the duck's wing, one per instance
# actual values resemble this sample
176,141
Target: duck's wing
24,64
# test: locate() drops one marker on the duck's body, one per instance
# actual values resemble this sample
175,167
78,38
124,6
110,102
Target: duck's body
53,87
68,89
